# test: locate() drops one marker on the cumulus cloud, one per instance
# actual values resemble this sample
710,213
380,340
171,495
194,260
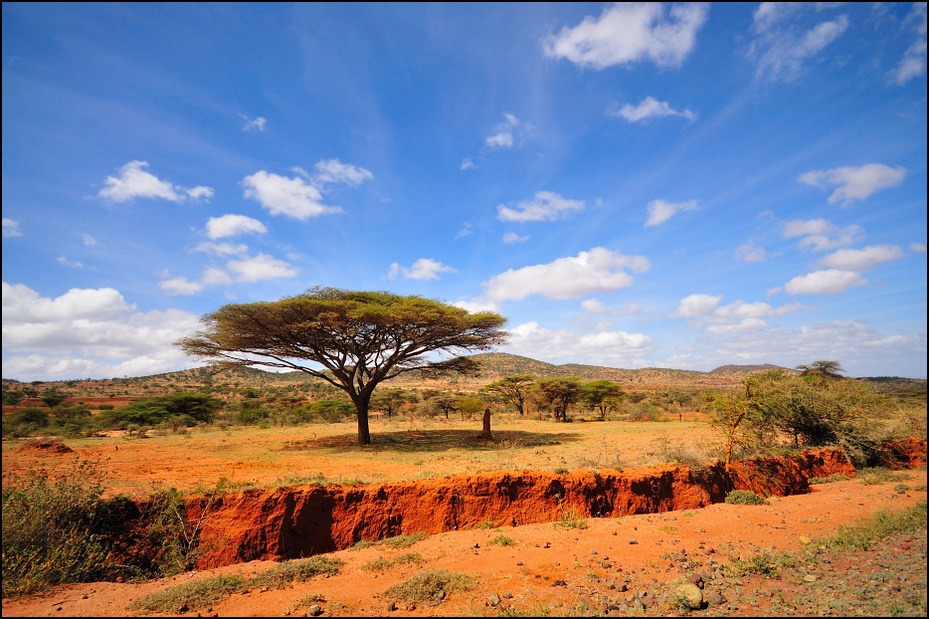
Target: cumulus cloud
467,164
222,249
232,225
652,108
696,305
913,63
918,247
134,181
300,197
260,267
605,347
660,211
782,49
736,317
424,268
861,259
854,183
820,235
11,228
630,32
254,124
88,333
826,282
597,270
291,197
593,306
88,240
546,206
179,286
71,264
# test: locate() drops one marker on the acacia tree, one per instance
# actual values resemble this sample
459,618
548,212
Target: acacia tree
513,390
557,394
602,395
359,338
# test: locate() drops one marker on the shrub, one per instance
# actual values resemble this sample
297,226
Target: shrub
53,530
430,585
190,596
744,497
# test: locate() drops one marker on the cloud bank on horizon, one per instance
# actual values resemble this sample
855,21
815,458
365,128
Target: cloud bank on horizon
631,184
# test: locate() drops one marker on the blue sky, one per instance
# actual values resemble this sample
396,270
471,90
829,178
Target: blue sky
630,185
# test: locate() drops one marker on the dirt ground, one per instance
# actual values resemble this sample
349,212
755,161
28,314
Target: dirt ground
597,566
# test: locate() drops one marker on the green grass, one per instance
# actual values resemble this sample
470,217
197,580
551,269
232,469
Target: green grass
283,574
879,475
430,585
744,497
381,564
190,596
828,480
398,541
865,533
501,540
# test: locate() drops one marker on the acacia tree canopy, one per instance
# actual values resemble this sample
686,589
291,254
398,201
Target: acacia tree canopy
359,338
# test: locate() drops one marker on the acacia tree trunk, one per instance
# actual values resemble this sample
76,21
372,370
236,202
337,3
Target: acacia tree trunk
364,433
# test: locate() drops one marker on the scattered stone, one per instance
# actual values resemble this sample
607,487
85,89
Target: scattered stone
632,542
690,595
314,610
493,599
391,607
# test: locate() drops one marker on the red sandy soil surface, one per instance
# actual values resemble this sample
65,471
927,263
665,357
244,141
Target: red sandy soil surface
616,565
641,553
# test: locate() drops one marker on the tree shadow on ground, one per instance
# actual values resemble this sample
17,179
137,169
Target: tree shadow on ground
416,441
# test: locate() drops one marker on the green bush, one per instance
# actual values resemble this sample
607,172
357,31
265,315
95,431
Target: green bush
54,530
744,497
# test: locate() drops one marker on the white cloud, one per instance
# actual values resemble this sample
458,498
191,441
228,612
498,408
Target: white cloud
511,237
254,124
829,282
291,197
71,264
260,267
631,32
918,247
215,277
750,253
424,268
611,348
466,230
660,211
820,235
11,228
854,183
467,164
781,49
222,249
696,305
597,270
547,206
503,133
861,259
913,63
593,306
334,171
180,286
135,182
88,240
88,333
232,225
652,108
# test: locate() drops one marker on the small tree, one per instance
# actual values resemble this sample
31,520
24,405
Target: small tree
356,340
513,390
557,394
727,412
389,400
601,395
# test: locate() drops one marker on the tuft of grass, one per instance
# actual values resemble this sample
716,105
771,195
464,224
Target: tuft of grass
828,480
398,541
283,574
744,497
571,518
502,540
762,563
430,585
878,475
381,564
487,523
190,596
866,533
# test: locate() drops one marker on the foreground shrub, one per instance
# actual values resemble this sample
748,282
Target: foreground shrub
54,530
189,597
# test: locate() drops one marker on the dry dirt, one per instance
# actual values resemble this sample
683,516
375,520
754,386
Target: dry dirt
624,563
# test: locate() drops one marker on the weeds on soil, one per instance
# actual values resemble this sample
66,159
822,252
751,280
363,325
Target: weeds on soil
430,585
